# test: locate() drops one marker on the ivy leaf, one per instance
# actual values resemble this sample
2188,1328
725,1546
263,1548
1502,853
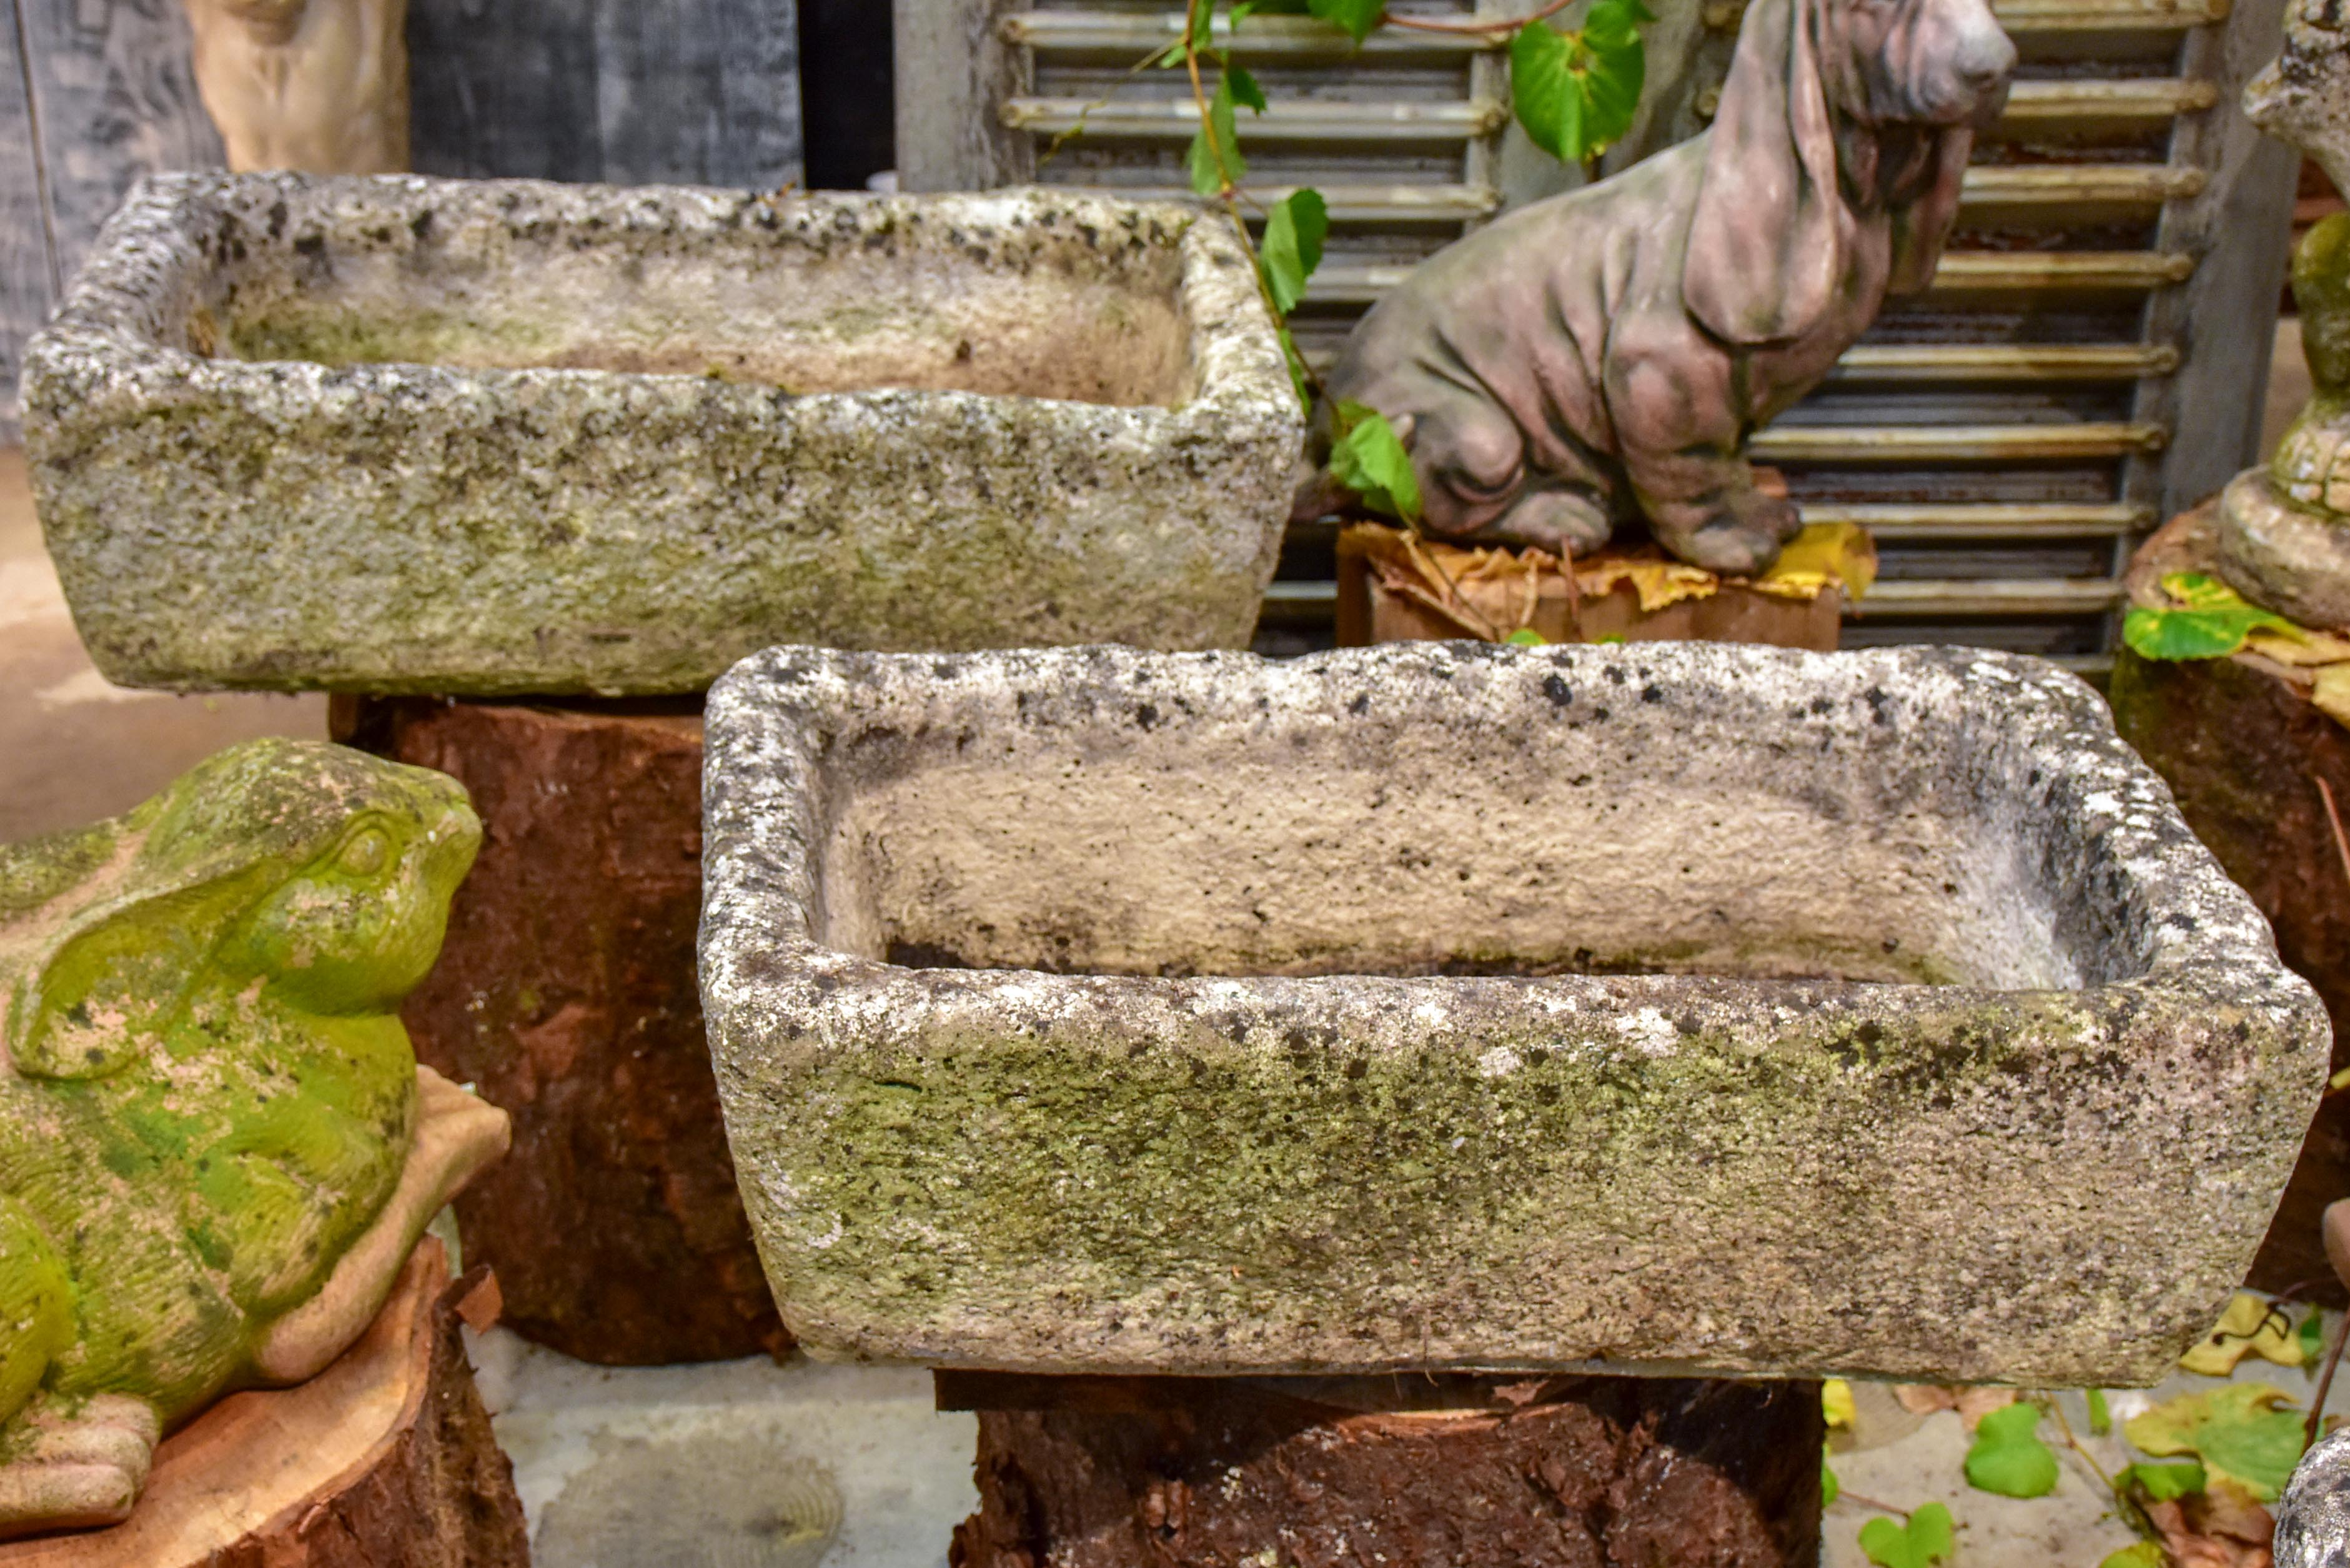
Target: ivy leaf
2207,619
2101,1420
1576,91
1527,636
2008,1457
2163,1483
2138,1554
2238,1432
1370,460
1360,18
1292,249
1830,1488
1210,174
1243,89
1202,21
2249,1327
1926,1540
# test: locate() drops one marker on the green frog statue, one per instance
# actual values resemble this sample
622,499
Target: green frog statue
216,1147
2284,529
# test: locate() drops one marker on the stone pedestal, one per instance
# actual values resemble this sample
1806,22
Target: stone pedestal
383,1460
566,995
1410,1471
2244,749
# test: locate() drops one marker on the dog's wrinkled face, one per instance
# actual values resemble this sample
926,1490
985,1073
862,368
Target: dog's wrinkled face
1919,62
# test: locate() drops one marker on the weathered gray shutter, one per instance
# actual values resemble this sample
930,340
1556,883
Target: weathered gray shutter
2091,357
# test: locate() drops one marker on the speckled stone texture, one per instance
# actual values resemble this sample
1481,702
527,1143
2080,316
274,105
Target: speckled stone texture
2314,1520
400,434
1660,1009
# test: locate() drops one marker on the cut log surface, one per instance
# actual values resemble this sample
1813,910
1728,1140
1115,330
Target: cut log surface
1190,1473
383,1460
2242,749
566,993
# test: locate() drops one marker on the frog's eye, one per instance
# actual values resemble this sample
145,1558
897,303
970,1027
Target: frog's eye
367,853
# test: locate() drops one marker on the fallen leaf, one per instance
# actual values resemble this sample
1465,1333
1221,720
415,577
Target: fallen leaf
1836,1404
2239,1431
1926,1540
2331,694
1822,554
2249,1327
2223,1529
1971,1404
2311,647
1659,582
2163,1483
2206,619
2138,1554
2008,1457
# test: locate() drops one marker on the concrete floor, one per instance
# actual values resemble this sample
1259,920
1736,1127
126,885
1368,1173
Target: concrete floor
758,1466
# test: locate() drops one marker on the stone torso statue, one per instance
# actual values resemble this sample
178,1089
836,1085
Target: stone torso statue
315,85
216,1147
1604,354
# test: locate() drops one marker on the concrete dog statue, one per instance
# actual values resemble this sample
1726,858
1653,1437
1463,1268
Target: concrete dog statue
1604,354
315,85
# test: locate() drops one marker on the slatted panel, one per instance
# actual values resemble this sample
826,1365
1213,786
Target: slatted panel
2005,433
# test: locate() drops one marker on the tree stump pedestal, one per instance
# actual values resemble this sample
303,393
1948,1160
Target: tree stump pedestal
1406,1471
383,1460
566,993
2244,750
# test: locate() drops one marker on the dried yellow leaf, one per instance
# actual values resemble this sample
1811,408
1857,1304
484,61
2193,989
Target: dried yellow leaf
2332,693
2247,1329
1658,583
1823,555
2309,649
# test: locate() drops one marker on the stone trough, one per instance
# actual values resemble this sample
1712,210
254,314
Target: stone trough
402,434
1684,1008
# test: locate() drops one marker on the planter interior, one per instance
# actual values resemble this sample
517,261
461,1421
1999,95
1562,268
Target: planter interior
1685,1008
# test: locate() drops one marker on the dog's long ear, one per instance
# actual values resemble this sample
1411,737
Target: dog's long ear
1919,228
1768,241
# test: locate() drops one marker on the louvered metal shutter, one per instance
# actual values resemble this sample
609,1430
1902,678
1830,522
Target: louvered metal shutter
2091,355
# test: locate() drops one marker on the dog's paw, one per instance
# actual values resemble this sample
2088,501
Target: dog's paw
1743,540
1566,522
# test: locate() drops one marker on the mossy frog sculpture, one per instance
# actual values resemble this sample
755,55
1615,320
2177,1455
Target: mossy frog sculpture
216,1147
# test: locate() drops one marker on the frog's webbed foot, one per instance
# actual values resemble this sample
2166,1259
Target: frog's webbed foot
74,1465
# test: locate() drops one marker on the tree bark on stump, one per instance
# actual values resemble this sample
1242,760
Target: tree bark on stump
2242,749
566,993
383,1460
1170,1473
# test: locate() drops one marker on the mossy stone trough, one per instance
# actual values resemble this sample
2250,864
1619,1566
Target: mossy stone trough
400,434
1679,1008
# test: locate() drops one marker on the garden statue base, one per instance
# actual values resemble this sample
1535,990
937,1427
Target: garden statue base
383,1460
1408,1472
565,992
2244,750
1673,1009
2283,556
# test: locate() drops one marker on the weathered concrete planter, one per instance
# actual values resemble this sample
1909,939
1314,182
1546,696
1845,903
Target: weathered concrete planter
414,435
1677,1007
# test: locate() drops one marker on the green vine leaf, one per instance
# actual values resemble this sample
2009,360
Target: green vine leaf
2101,1420
1926,1540
1576,91
1215,157
2312,1333
1299,376
2008,1457
1358,18
2207,619
1243,89
1294,233
2238,1432
1830,1488
2163,1483
1370,460
2138,1554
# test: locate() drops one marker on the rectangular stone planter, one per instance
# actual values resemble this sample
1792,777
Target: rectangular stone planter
1677,1007
402,434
